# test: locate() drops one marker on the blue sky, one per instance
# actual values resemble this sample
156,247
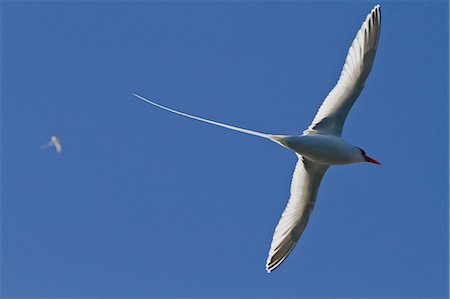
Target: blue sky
145,203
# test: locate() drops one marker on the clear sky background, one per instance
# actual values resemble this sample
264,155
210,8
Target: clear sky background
145,203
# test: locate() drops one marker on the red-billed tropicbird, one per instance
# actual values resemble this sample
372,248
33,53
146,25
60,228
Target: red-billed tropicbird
321,145
54,141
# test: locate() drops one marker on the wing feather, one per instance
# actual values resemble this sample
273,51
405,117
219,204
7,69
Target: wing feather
304,186
334,110
58,147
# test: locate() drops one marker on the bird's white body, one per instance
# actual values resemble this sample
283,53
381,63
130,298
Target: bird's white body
321,145
323,148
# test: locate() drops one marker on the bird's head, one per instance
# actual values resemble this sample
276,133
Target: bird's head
366,158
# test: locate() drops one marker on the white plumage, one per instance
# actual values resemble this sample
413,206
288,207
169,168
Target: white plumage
329,120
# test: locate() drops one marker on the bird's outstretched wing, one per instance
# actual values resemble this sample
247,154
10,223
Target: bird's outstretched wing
304,186
334,110
48,144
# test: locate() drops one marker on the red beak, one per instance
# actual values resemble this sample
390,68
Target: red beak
369,159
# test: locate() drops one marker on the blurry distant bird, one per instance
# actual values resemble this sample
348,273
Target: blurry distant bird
54,141
321,145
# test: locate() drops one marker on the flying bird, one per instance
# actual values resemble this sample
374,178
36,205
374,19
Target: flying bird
54,141
321,144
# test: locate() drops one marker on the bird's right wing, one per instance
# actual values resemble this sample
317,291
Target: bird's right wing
334,110
304,186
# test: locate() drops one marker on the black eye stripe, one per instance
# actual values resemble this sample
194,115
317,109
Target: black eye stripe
362,151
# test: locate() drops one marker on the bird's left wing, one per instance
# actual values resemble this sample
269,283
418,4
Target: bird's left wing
334,110
304,186
48,144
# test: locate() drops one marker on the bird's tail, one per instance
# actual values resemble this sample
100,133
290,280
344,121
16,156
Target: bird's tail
275,138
